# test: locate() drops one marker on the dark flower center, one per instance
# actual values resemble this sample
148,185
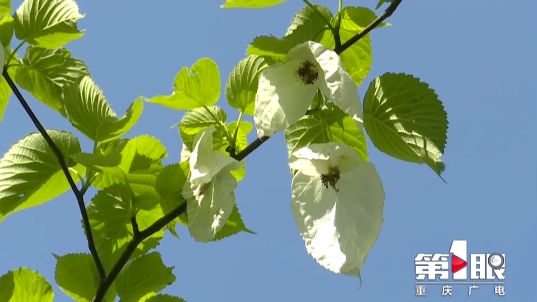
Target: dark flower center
307,73
330,179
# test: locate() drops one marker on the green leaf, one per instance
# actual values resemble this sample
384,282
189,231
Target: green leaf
46,74
382,2
241,87
358,58
25,285
358,18
169,186
200,118
7,25
110,213
78,278
89,112
306,26
49,24
5,8
5,90
251,3
329,125
233,226
143,275
405,119
163,298
30,174
197,88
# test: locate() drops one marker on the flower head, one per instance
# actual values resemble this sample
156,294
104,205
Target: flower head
286,89
338,200
209,190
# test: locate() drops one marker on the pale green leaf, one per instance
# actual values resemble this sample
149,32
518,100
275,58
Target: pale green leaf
358,18
30,174
77,277
405,119
306,26
7,26
197,88
163,298
241,87
200,118
46,73
48,23
329,125
5,90
143,275
233,226
5,8
169,185
110,213
25,285
89,112
251,3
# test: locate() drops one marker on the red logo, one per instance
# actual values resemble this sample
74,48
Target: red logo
457,264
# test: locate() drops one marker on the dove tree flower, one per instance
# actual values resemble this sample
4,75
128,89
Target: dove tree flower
337,202
286,89
209,192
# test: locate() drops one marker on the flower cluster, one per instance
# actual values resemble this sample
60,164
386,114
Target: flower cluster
337,197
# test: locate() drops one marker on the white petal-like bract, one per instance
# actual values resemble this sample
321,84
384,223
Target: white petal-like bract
339,224
205,162
209,205
286,90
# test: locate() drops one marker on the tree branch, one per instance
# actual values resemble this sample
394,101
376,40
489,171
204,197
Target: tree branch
138,237
387,13
79,196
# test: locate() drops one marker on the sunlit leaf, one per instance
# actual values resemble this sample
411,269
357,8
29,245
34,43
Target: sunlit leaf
30,173
46,73
251,3
405,119
48,23
193,89
89,112
241,87
25,285
143,275
77,276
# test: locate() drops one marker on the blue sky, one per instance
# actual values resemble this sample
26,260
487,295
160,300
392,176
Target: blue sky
477,55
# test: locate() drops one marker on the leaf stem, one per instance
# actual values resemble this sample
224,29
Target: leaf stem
79,196
387,13
222,125
15,51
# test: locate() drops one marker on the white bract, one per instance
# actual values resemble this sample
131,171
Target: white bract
209,190
286,89
338,201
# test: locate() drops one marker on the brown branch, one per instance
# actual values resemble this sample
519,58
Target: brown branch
79,196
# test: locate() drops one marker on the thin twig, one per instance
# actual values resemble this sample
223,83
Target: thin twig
63,164
387,13
131,247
